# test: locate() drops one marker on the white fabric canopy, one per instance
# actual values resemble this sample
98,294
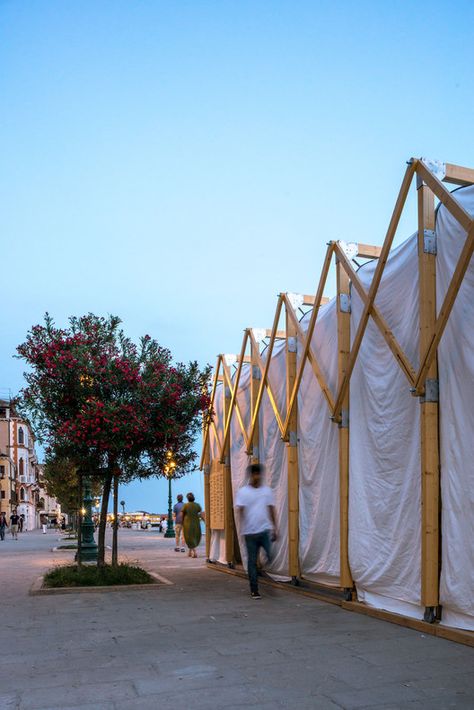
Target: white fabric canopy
217,547
318,457
384,476
384,469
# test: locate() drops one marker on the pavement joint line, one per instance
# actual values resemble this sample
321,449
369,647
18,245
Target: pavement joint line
71,549
37,588
445,632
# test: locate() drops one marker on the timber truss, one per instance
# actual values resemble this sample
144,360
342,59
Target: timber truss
431,178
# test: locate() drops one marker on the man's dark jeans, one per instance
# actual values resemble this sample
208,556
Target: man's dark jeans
253,544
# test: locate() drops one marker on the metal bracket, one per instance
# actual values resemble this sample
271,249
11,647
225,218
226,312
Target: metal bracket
227,461
437,167
429,241
430,614
230,359
345,302
431,391
291,343
344,423
207,469
256,374
227,393
259,334
255,451
350,249
296,300
293,439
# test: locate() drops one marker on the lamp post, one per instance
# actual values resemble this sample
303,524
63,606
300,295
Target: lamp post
88,544
169,470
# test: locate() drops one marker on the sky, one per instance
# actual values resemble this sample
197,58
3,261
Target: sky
181,163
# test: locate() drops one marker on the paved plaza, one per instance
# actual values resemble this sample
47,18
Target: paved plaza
201,642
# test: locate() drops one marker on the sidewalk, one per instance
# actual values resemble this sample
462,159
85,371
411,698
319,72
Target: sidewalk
202,642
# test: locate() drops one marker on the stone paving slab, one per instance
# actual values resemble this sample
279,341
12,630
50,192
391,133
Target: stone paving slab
202,642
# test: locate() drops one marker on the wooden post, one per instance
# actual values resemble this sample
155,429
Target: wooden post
228,498
207,494
344,347
429,406
292,452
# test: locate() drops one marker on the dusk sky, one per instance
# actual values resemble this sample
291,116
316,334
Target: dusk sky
181,163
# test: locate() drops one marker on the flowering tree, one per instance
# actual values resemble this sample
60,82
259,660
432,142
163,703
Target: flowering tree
109,406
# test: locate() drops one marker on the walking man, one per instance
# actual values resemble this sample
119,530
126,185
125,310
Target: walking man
255,509
14,520
3,525
178,524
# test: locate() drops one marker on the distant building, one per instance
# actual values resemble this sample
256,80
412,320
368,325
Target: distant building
21,484
8,468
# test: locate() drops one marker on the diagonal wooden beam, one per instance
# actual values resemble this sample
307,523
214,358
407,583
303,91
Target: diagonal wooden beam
268,386
233,386
233,395
377,317
445,310
309,335
264,370
374,286
210,413
311,356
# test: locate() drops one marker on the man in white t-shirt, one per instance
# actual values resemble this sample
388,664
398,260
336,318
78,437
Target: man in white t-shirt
255,509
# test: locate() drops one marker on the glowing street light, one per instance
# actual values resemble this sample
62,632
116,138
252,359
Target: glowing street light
169,471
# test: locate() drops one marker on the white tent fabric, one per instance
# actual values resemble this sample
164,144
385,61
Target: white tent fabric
239,459
318,457
384,469
456,382
385,481
217,547
273,453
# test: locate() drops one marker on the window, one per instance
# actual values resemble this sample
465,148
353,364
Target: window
22,494
22,467
2,495
21,436
2,471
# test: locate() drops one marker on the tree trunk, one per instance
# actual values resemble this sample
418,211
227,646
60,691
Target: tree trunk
79,527
103,520
115,524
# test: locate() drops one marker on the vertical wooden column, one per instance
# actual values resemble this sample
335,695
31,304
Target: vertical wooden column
207,494
292,454
254,386
228,497
429,406
344,346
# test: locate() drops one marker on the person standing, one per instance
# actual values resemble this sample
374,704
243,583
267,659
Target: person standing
178,523
3,525
255,509
192,516
14,520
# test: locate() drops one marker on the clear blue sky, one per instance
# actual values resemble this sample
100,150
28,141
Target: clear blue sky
180,163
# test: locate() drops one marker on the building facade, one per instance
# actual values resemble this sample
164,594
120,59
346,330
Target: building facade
21,484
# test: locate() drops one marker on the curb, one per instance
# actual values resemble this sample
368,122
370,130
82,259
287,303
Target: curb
37,588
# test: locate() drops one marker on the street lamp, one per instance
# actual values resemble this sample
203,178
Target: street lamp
88,544
169,471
